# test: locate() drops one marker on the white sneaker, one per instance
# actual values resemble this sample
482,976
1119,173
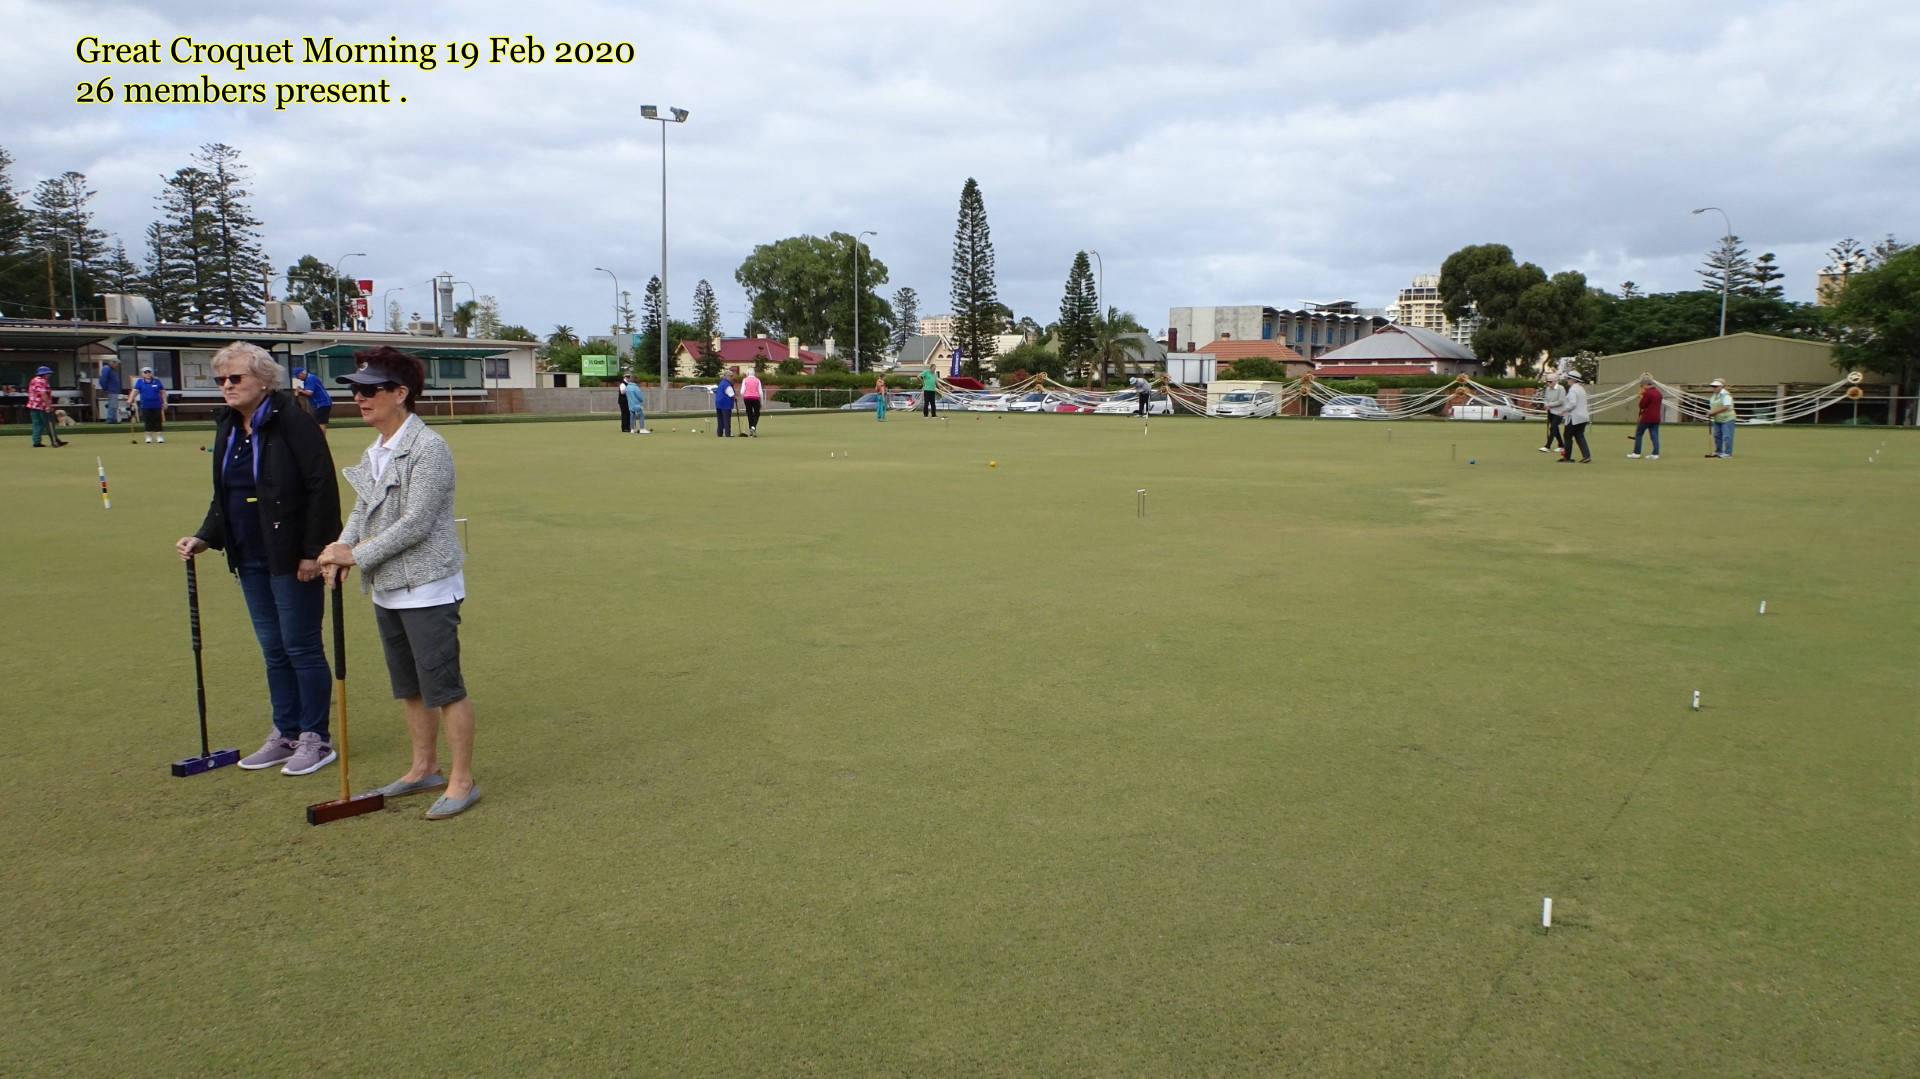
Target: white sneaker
162,439
643,431
1655,457
1633,457
1546,449
149,440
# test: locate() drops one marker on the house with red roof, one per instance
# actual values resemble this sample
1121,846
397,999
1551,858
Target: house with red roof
744,352
1227,349
1397,350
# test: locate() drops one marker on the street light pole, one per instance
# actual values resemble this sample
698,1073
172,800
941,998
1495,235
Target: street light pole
336,283
616,302
856,296
1726,270
679,116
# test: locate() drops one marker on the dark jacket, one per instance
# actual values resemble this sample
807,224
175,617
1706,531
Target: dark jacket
299,496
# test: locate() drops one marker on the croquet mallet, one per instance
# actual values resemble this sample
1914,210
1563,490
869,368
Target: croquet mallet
208,759
348,804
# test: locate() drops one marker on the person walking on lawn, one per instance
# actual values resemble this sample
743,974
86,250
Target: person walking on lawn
1577,420
1651,401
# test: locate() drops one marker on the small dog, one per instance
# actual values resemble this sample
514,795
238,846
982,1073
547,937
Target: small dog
61,419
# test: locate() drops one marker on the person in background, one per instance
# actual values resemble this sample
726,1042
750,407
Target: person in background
880,399
751,392
723,408
151,395
1720,414
1143,391
313,390
401,533
626,410
275,507
110,387
929,390
1651,400
1555,402
40,407
1577,419
633,406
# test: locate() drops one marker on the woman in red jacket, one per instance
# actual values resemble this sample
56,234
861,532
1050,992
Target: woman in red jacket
1650,404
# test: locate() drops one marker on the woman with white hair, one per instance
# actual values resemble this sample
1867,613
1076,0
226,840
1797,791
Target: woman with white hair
275,507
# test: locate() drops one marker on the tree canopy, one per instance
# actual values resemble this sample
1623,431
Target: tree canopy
1879,318
1523,313
802,287
976,301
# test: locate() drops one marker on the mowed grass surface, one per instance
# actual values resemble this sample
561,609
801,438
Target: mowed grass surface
891,762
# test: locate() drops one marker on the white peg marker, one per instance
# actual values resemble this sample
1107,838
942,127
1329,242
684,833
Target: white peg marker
1546,913
1696,700
1763,606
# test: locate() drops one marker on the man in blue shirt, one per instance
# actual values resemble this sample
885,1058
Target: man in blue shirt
110,388
308,385
723,407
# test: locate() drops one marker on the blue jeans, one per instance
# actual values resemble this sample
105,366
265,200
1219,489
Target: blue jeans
1723,437
286,619
113,408
1650,429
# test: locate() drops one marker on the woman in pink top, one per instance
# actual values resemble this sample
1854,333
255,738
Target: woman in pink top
750,392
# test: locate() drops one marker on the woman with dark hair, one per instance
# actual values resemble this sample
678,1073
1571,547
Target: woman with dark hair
401,533
275,505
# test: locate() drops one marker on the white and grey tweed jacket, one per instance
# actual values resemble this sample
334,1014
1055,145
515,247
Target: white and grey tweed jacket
401,529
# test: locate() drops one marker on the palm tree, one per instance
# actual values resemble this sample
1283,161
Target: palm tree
1116,339
464,316
561,333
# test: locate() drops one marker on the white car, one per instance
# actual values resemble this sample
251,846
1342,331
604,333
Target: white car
990,402
1485,412
1128,404
1352,406
1245,403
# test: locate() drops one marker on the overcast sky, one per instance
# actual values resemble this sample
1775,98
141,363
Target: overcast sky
1213,152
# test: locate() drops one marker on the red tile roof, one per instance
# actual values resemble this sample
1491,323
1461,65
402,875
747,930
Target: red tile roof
743,351
1226,350
1345,370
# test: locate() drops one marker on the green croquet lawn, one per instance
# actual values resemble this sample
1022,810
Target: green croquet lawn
840,752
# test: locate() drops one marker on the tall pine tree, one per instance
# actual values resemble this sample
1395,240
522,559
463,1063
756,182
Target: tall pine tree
976,302
1079,315
648,358
1727,265
239,264
906,317
706,315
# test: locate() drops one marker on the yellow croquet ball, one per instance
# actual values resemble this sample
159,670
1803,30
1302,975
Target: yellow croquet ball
993,464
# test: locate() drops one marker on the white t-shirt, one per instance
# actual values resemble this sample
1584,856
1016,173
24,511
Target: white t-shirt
434,593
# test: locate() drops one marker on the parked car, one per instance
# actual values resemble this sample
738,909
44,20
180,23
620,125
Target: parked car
1128,404
990,402
1035,401
1246,403
1352,406
947,402
1484,412
866,402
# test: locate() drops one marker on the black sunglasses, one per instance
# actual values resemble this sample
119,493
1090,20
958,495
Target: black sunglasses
361,389
228,380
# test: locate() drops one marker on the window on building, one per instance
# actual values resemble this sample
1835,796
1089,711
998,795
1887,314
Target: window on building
499,367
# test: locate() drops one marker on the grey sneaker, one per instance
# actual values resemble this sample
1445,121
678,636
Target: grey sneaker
310,754
276,749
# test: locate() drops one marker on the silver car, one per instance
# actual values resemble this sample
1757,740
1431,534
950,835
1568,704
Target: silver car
1245,403
1352,406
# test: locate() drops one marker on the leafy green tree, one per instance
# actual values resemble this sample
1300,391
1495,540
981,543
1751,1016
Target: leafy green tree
1630,323
976,301
646,356
1523,313
1629,290
1079,313
1034,359
1262,368
20,274
514,333
464,314
791,366
562,334
1883,251
832,365
906,318
1879,316
802,287
311,284
61,223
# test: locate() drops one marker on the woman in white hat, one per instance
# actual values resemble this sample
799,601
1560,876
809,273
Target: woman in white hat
150,394
1577,419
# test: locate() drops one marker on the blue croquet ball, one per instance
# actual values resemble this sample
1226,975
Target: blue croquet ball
1471,461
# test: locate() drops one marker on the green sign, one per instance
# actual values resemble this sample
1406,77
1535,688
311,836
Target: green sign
593,363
